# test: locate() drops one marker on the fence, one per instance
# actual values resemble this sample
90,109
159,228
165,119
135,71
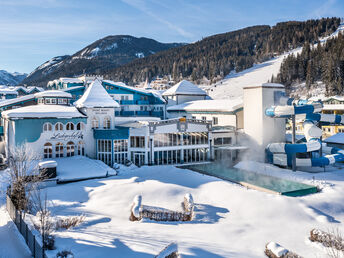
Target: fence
34,245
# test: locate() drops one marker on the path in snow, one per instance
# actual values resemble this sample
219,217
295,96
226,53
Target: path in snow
12,244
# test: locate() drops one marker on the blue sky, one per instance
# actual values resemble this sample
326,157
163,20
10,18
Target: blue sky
33,31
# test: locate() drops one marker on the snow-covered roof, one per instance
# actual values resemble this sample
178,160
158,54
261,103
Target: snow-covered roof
16,100
218,105
8,91
184,88
96,96
144,91
336,138
43,111
273,85
266,85
70,80
53,93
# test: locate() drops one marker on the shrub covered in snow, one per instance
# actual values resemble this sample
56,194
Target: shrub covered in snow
69,222
274,250
170,251
136,208
332,240
65,254
188,204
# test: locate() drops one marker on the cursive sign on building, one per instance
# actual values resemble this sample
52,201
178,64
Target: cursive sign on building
67,136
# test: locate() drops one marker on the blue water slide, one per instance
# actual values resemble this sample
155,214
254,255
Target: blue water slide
281,153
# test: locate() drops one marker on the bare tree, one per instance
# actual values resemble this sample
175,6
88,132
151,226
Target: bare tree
23,173
40,207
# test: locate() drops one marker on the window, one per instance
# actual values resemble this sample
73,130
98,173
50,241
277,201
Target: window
104,150
47,127
81,148
80,126
95,123
48,150
107,123
193,117
47,101
137,141
62,101
70,126
53,101
120,151
215,120
70,149
59,150
58,127
204,118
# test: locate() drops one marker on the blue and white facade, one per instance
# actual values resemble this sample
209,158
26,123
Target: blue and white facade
57,126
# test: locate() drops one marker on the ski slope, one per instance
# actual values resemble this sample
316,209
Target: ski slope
232,86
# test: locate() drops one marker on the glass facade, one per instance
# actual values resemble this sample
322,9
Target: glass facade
120,151
104,151
177,139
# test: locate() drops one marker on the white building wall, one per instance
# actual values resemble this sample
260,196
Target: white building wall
100,114
260,128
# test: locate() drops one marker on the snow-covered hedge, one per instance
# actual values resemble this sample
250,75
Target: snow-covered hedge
170,251
139,211
275,250
332,240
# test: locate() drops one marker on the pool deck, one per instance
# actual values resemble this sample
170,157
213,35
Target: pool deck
305,190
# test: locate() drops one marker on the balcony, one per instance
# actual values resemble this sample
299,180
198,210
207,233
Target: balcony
142,102
126,102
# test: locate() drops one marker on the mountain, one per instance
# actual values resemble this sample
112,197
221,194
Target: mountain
12,79
101,55
212,58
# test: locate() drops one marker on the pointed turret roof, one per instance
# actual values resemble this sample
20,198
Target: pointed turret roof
96,96
184,88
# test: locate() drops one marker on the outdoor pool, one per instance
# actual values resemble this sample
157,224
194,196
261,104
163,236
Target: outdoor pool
254,180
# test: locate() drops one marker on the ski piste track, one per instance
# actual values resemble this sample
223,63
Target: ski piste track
281,153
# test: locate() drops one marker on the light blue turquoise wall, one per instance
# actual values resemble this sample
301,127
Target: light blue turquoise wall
29,130
117,89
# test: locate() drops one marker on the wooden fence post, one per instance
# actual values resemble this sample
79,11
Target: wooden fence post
26,234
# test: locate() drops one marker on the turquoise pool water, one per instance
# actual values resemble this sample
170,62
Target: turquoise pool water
254,180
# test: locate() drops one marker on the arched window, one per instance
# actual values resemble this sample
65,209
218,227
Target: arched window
95,123
59,150
48,150
58,126
70,126
47,127
70,149
80,126
81,148
107,123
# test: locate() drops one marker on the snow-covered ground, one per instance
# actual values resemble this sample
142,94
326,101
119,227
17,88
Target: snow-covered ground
230,220
81,167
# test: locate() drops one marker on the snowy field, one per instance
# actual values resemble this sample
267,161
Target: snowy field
230,220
